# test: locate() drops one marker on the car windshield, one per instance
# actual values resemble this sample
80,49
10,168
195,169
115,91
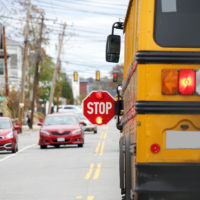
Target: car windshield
69,107
177,23
5,124
60,120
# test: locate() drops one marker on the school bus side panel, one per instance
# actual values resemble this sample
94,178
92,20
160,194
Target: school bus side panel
131,35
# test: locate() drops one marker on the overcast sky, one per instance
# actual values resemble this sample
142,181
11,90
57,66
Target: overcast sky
88,24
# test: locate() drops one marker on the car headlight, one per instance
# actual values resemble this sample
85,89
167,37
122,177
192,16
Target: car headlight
76,131
44,132
10,135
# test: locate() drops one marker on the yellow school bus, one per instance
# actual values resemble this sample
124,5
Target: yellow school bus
160,125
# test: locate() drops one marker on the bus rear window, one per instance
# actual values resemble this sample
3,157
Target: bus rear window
177,23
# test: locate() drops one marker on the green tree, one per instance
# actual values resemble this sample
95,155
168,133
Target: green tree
45,78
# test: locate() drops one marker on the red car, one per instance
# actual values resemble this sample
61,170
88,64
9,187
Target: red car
59,129
8,135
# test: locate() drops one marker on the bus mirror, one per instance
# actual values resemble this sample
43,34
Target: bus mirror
113,48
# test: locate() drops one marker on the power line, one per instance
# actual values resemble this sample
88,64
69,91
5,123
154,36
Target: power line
77,9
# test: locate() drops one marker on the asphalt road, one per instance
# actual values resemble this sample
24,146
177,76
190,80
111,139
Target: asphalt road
65,173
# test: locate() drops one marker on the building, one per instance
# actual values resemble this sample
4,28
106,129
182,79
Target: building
14,63
83,88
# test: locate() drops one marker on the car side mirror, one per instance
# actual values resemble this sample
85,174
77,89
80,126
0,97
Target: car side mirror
113,46
39,123
82,123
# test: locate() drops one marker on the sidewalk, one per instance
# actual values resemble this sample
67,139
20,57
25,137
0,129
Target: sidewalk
26,128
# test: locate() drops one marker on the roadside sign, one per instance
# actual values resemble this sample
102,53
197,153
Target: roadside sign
2,98
99,107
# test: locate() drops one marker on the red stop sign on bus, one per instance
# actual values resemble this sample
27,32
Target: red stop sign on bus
99,107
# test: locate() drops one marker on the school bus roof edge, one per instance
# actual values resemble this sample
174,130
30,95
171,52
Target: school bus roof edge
127,14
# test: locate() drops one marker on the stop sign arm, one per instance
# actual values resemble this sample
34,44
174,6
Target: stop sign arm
99,107
119,108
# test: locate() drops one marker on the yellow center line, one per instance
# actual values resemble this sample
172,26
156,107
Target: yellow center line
79,197
90,198
97,148
102,148
101,136
105,135
97,172
89,173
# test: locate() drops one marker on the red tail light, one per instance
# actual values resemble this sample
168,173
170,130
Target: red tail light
187,81
155,148
99,95
99,120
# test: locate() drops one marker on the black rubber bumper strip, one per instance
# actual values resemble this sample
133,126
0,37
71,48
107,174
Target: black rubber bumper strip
167,107
167,57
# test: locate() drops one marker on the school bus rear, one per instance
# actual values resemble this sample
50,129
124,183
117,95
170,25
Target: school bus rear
161,93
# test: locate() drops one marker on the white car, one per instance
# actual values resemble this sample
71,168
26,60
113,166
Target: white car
67,108
87,126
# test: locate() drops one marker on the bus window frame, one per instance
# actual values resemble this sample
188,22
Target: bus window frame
160,43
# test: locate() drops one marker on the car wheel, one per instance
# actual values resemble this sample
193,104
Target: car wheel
57,146
95,131
15,149
80,145
43,146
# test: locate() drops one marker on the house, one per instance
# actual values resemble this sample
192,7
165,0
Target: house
14,63
83,88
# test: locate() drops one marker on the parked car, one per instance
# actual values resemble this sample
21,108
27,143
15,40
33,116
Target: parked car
66,108
59,129
87,125
8,135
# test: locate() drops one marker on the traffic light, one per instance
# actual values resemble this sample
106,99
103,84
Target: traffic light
115,77
75,76
97,75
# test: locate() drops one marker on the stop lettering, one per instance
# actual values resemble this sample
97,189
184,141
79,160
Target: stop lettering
98,107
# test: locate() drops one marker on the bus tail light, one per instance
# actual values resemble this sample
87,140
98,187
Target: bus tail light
187,81
180,81
169,81
155,148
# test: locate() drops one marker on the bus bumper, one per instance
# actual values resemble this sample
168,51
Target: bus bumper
167,181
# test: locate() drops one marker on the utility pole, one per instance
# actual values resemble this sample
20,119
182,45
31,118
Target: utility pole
5,62
22,97
56,69
58,91
36,77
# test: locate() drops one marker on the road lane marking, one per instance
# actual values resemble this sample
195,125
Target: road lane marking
105,127
28,147
97,172
89,173
23,149
90,198
102,148
105,135
101,136
97,148
79,197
